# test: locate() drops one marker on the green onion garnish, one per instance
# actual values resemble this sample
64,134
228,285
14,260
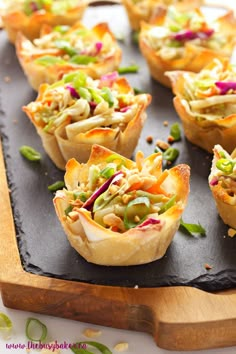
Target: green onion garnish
68,210
225,165
128,69
84,93
56,186
116,159
65,46
168,204
30,153
5,323
137,207
137,91
170,154
175,131
49,60
107,96
101,347
32,325
61,29
107,172
135,37
82,59
193,228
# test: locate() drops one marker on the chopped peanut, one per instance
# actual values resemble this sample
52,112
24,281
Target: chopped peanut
207,266
162,144
126,198
165,123
170,139
149,139
113,188
73,215
121,347
231,232
136,218
114,221
92,333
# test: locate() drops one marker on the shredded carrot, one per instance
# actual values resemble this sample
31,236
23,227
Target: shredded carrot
156,187
135,186
139,158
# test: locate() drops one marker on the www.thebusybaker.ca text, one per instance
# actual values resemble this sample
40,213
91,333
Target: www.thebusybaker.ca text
50,346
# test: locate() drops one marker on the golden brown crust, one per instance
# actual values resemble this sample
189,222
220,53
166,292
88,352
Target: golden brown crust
135,246
38,74
194,57
30,26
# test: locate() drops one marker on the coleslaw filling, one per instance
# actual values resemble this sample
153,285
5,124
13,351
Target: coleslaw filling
178,29
85,104
224,171
211,94
120,198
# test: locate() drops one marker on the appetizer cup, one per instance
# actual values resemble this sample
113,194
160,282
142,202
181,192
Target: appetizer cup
185,41
143,10
222,182
27,16
205,102
117,212
77,112
64,49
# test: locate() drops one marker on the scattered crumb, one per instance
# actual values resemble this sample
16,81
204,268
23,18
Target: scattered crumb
169,162
162,144
231,232
136,287
170,139
207,266
149,139
92,333
224,236
46,173
121,347
7,79
15,121
165,123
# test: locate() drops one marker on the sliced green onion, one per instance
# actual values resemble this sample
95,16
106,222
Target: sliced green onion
137,91
108,96
136,207
49,60
157,149
56,186
34,324
128,69
102,200
107,172
171,154
68,210
168,204
65,46
84,93
225,165
135,37
82,59
116,158
193,228
101,347
61,29
30,153
81,195
175,131
5,323
95,95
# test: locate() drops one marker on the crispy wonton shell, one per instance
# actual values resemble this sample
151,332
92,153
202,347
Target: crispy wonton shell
39,74
30,26
226,203
135,246
195,57
61,148
204,133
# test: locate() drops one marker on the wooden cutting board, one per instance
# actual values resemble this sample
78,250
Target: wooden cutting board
179,318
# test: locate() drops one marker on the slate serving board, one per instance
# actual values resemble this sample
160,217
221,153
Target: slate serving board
43,247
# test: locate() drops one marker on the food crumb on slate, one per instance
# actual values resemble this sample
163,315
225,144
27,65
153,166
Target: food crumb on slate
149,139
121,347
92,333
231,232
207,266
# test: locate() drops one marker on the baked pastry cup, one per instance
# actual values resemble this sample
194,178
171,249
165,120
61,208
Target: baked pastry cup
205,102
118,212
222,182
63,49
77,112
143,10
185,41
28,17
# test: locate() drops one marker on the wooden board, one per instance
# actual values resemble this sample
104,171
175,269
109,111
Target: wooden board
179,318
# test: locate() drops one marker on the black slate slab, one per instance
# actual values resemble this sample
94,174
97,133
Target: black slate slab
43,246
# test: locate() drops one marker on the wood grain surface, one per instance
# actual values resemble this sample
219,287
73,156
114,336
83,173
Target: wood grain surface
179,318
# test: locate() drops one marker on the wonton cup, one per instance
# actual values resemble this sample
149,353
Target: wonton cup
223,184
208,116
15,19
189,49
126,218
143,10
94,51
71,118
